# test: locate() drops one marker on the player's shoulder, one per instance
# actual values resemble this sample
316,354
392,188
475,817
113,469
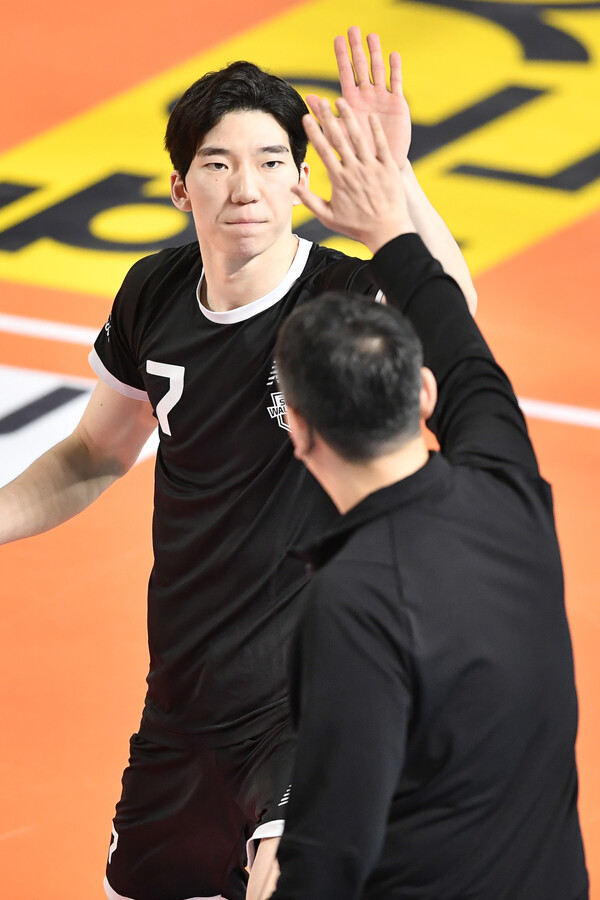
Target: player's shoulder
331,269
169,264
150,282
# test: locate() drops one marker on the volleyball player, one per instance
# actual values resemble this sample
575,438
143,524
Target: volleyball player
189,344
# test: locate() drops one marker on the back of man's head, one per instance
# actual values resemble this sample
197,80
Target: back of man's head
352,369
238,87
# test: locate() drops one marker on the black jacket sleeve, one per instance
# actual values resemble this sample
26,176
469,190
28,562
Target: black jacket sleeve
352,676
477,419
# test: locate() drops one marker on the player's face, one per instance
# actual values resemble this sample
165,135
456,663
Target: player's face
238,186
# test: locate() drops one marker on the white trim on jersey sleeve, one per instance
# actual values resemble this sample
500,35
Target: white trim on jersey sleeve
268,830
242,313
109,379
112,895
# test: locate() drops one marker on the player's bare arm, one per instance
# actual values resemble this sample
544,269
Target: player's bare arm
70,476
364,84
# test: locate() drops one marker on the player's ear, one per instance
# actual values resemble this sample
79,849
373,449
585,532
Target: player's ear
179,194
428,393
303,180
299,433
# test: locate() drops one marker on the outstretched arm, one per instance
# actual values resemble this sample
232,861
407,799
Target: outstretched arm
71,475
364,87
476,425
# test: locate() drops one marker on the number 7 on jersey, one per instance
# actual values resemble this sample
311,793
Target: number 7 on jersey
175,375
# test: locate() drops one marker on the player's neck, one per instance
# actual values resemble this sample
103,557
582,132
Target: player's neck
230,282
348,483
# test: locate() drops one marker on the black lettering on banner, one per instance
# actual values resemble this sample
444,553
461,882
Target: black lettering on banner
10,191
315,231
37,408
429,138
308,81
570,179
69,220
540,40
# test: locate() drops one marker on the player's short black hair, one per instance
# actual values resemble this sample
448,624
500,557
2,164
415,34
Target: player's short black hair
239,86
352,370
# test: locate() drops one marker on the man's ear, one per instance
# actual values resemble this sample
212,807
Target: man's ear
303,180
428,393
179,194
300,433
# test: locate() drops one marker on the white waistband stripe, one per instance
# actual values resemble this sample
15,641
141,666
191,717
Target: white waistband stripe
112,895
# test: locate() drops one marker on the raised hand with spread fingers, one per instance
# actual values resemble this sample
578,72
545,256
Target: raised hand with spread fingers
368,201
364,84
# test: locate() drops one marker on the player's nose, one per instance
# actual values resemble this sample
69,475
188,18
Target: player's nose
245,188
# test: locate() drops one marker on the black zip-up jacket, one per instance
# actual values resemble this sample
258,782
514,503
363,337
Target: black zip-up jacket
432,675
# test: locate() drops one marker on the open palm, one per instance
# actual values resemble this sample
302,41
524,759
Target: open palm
364,87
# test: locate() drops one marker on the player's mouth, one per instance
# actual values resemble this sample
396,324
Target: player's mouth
245,222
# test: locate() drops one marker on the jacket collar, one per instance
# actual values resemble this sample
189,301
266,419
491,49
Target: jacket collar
429,477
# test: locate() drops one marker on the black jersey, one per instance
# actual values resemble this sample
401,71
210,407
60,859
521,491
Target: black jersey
230,497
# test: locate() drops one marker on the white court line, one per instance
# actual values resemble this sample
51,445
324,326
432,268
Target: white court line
54,331
560,412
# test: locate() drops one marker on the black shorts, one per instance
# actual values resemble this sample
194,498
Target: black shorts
185,816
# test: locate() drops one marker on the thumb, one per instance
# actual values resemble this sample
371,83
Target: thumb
317,206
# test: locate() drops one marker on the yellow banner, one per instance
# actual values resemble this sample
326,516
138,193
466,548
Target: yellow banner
505,100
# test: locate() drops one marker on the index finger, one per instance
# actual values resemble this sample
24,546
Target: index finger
321,144
359,145
396,73
340,140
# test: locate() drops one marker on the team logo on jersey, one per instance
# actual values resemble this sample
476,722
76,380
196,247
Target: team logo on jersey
278,409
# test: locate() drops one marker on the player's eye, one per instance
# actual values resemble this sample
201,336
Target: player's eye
273,163
216,166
